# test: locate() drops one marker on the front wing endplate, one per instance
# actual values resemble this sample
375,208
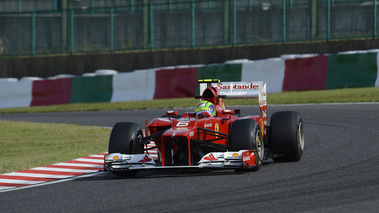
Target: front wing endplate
214,160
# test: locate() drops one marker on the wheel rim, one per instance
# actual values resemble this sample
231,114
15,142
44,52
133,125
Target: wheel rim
259,146
300,136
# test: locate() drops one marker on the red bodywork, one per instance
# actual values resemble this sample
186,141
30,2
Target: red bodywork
179,139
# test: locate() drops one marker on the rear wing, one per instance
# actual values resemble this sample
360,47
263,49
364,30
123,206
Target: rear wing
239,90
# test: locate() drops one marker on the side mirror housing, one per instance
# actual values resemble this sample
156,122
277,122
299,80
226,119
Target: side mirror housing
228,111
171,113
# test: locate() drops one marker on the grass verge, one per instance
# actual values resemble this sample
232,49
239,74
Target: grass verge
24,145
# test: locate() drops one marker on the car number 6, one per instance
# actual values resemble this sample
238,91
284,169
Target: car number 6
181,123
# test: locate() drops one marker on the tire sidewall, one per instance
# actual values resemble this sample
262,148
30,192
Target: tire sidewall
124,138
286,139
246,134
258,146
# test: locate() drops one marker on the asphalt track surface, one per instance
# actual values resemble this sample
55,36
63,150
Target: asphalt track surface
339,172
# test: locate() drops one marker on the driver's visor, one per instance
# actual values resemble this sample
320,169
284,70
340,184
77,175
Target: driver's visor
200,111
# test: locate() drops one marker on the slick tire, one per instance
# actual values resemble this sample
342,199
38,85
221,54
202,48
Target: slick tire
286,138
125,139
246,134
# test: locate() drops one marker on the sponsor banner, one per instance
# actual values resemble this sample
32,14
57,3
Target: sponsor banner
175,83
305,73
270,71
223,72
91,89
134,86
50,92
239,89
15,93
351,70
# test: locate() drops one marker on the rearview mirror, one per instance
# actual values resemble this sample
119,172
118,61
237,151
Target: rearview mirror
228,111
171,113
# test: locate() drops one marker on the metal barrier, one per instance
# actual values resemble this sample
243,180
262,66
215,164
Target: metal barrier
74,27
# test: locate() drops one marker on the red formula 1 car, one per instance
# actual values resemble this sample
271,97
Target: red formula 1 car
214,138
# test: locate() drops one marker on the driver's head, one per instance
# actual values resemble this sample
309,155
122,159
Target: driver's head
205,109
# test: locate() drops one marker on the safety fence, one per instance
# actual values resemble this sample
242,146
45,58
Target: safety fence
50,27
287,73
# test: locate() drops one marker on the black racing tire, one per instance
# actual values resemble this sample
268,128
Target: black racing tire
245,134
286,137
125,139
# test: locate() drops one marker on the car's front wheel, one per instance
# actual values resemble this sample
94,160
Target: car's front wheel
125,139
246,134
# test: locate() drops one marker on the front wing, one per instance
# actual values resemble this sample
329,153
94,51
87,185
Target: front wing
215,160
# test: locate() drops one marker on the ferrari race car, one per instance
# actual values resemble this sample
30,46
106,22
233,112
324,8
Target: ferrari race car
219,140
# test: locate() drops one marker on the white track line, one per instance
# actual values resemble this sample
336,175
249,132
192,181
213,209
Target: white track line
63,170
5,188
49,182
38,175
90,160
19,181
79,164
97,156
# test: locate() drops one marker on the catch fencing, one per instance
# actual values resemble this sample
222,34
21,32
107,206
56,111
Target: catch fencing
53,27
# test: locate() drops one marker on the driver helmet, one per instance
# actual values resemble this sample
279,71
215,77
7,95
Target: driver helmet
205,106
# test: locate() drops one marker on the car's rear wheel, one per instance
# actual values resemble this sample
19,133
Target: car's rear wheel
286,137
246,134
125,139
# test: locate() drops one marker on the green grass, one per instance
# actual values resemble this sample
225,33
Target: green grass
25,145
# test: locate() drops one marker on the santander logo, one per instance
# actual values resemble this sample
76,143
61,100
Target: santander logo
145,159
241,87
208,125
